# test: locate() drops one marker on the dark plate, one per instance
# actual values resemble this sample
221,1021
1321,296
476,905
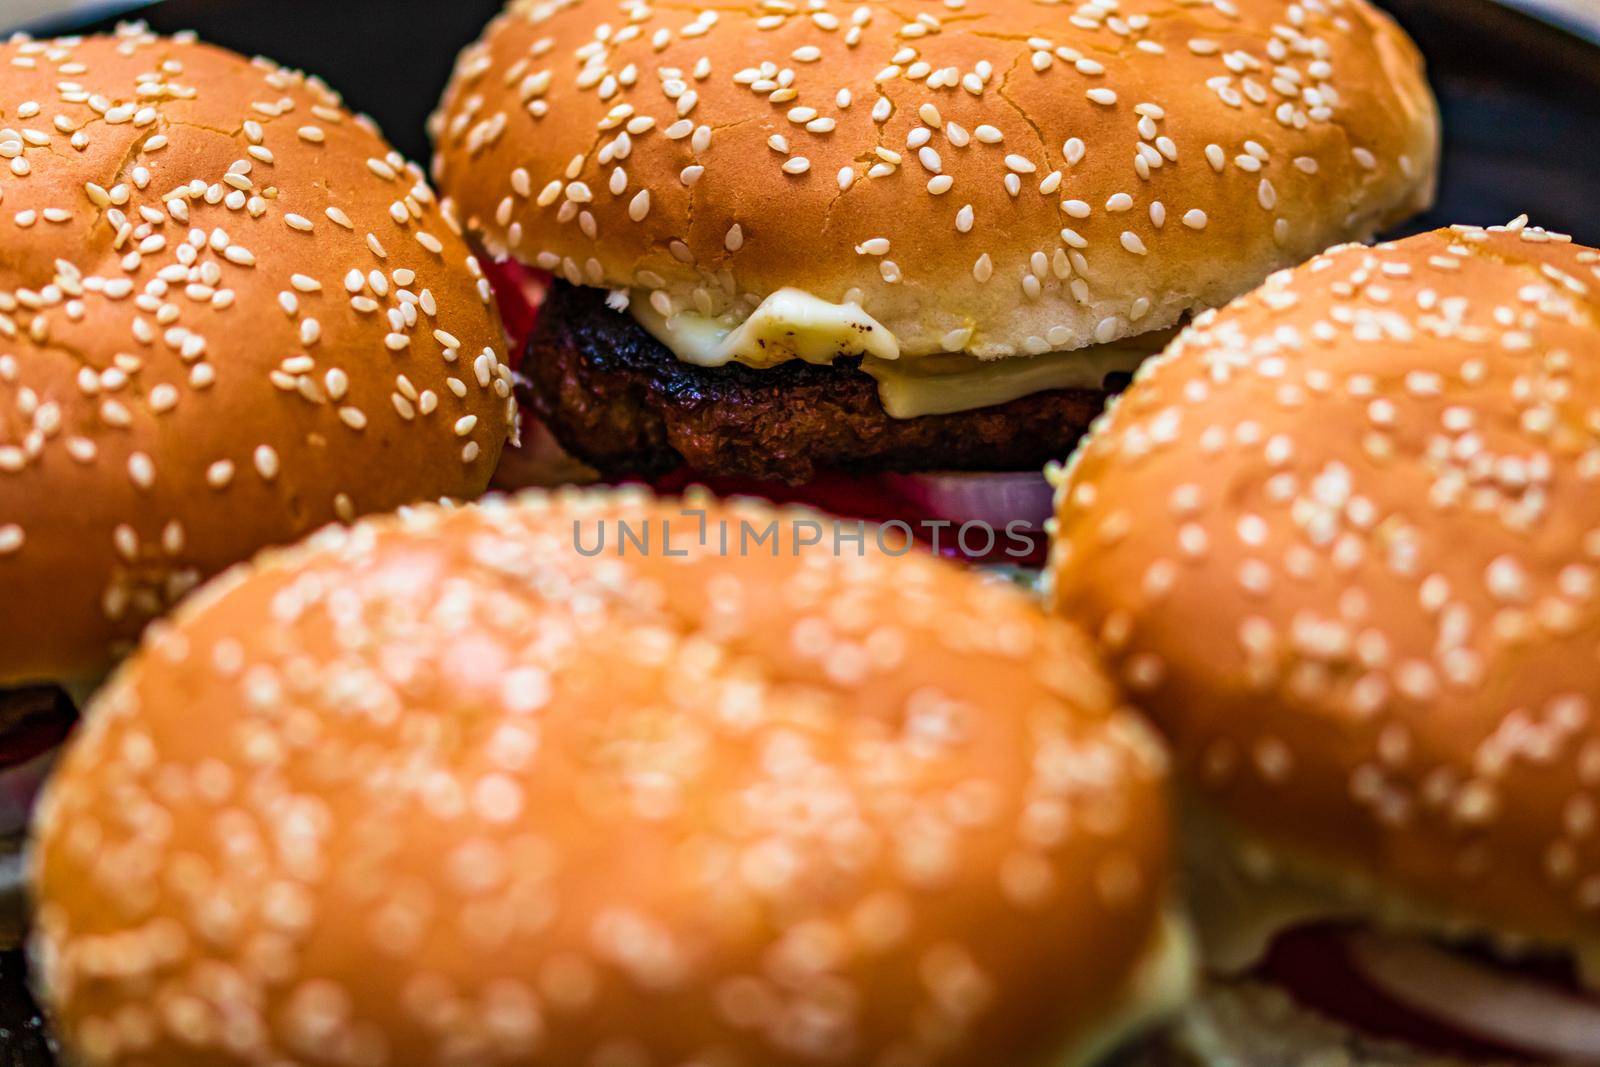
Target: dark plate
1521,104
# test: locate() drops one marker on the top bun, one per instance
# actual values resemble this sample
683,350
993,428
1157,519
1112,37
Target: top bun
508,785
999,176
1343,542
229,314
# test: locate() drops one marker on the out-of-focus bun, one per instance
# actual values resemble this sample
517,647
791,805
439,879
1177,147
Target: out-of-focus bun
1341,541
457,787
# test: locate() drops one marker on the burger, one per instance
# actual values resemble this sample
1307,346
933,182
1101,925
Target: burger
230,313
1340,542
894,260
494,785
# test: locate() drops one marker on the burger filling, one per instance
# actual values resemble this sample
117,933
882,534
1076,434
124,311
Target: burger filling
1467,999
1471,997
1160,986
792,324
789,324
802,401
628,405
33,724
519,292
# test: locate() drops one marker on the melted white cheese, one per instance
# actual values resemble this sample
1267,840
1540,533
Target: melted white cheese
793,324
953,381
789,324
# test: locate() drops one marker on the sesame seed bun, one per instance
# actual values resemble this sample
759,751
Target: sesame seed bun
1003,177
229,314
1340,541
443,789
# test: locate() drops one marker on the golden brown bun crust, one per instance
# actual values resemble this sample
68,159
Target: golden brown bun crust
1341,543
162,413
562,149
444,790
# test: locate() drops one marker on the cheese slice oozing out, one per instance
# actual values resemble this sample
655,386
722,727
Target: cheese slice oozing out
953,381
789,324
793,324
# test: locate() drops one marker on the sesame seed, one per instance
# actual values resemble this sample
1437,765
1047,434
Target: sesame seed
141,470
266,462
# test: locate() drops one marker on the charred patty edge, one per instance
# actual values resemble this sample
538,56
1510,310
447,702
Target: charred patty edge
619,400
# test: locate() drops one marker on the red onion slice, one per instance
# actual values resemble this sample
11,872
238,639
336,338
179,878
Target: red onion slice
19,788
942,511
519,290
996,499
1501,1006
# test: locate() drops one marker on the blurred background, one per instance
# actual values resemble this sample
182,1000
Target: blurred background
15,13
1582,16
